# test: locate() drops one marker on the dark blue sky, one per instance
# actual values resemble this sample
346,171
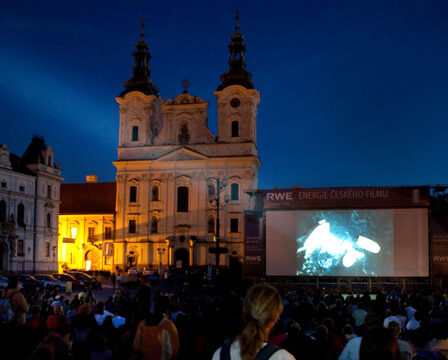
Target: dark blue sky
352,92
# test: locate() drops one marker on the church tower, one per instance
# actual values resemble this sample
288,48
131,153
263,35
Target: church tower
237,98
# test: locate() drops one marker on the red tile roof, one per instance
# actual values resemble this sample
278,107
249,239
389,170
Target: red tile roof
88,198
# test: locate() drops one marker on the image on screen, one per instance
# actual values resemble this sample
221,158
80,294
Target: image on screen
356,242
343,243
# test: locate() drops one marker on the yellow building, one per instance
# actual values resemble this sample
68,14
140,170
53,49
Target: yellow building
87,226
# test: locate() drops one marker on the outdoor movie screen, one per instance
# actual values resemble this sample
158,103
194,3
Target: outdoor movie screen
379,242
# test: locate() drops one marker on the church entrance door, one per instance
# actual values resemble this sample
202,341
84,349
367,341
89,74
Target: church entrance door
181,258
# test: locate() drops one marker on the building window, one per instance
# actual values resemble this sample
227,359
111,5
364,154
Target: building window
49,160
132,226
184,135
2,211
91,235
47,249
211,190
233,225
235,192
133,194
155,193
108,260
22,188
235,129
211,225
48,191
20,250
135,133
154,225
108,233
48,221
4,184
182,199
21,215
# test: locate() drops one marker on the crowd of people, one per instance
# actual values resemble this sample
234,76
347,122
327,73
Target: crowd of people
226,323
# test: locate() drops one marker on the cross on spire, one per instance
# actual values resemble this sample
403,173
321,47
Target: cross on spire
237,20
143,29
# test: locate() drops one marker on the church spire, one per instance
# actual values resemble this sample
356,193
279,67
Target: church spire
141,80
237,73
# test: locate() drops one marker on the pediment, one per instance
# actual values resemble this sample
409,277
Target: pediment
182,154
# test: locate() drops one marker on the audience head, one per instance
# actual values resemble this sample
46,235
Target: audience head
262,307
379,343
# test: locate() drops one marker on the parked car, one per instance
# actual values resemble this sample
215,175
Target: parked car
88,280
76,284
29,282
51,281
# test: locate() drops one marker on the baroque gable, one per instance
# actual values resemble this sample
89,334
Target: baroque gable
182,154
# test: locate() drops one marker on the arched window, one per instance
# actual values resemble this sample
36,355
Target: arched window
155,193
154,225
235,129
49,160
133,194
48,221
184,134
235,192
21,215
2,211
211,225
48,191
135,133
182,199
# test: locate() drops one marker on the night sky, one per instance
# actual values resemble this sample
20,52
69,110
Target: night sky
353,93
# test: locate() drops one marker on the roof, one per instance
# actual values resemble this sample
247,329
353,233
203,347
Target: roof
88,198
18,165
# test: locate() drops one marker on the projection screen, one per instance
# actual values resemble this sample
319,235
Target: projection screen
379,242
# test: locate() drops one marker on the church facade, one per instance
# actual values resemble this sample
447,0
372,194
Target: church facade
180,189
179,186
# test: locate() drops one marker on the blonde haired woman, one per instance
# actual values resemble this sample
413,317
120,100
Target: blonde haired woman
261,309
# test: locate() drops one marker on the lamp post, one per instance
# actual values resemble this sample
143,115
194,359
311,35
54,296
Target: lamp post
161,252
217,250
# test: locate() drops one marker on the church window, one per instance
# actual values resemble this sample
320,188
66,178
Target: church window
182,199
184,135
22,188
48,191
108,233
49,160
133,194
135,133
132,226
234,189
4,184
211,225
155,193
47,249
211,190
235,102
48,221
235,129
2,211
21,215
20,251
233,225
154,225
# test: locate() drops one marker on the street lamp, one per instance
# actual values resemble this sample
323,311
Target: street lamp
217,250
161,252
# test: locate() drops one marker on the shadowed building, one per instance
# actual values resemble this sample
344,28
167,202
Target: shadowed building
29,207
